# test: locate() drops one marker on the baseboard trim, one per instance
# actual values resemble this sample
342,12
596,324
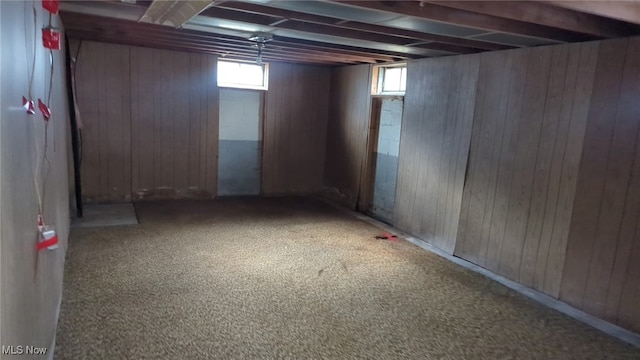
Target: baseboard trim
593,321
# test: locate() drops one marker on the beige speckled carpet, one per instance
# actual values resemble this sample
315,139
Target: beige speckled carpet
296,279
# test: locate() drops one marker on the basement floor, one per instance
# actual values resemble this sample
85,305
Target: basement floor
292,278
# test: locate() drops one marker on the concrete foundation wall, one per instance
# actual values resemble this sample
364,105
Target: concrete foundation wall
240,144
384,192
239,166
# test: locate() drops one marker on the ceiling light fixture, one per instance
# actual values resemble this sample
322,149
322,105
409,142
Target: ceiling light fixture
261,40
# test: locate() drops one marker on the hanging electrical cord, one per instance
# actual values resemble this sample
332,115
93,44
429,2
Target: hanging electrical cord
31,76
30,73
45,158
43,168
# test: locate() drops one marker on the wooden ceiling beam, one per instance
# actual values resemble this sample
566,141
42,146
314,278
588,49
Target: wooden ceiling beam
344,33
445,47
97,23
178,37
221,52
247,46
359,35
547,15
250,52
92,21
449,15
628,11
394,56
459,45
376,56
265,20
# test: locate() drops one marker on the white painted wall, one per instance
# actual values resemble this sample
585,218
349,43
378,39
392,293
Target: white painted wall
30,295
390,120
239,114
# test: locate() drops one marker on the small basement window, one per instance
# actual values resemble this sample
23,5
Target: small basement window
242,75
391,80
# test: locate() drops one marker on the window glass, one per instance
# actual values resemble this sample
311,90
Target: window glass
392,80
242,75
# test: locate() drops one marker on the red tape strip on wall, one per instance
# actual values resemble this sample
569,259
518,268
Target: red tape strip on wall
47,243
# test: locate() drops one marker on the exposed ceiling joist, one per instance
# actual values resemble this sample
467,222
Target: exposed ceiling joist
161,40
547,15
286,15
220,50
316,28
122,31
222,53
334,32
621,10
381,56
450,15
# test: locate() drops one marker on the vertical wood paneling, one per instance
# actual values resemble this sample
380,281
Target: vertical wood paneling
601,276
194,163
104,100
623,295
623,292
175,122
557,116
150,122
544,153
619,165
347,129
436,130
628,312
143,148
482,175
507,159
166,112
530,122
591,179
578,108
523,162
552,199
295,127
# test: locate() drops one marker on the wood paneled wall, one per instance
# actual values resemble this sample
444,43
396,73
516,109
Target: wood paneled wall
525,151
551,196
602,268
150,123
104,100
434,145
174,127
295,127
347,130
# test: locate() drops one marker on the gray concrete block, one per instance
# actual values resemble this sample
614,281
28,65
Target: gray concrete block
239,167
384,192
